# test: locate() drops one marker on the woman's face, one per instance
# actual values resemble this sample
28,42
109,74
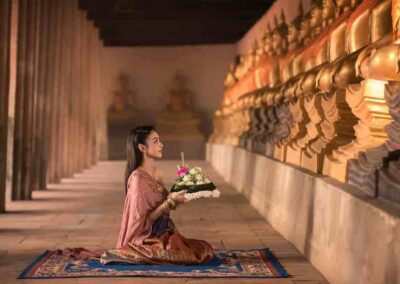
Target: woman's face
154,146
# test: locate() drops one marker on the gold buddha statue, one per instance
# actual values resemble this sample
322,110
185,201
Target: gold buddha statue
239,71
178,121
253,57
396,17
279,36
230,78
328,12
259,51
267,40
294,29
345,5
305,29
316,17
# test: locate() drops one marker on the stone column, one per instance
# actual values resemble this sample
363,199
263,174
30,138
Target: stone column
5,25
34,184
68,71
48,82
23,20
75,92
40,83
29,98
62,124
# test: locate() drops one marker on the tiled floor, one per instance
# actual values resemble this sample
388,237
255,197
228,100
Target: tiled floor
86,211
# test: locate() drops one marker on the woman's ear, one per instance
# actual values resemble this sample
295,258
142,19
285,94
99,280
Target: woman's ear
142,148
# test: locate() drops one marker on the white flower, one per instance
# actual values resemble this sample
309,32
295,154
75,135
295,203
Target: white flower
193,171
186,178
206,180
190,183
200,182
215,193
199,177
198,169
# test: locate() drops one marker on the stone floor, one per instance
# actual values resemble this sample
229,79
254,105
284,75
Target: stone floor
86,211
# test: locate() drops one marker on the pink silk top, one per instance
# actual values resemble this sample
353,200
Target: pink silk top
142,197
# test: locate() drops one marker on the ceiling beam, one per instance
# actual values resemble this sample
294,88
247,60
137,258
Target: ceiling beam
173,22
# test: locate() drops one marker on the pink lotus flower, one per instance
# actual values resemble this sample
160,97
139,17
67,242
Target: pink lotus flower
182,171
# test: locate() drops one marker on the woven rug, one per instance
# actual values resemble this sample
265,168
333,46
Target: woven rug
253,263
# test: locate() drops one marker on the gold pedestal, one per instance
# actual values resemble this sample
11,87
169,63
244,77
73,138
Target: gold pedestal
280,152
179,132
313,163
335,168
293,156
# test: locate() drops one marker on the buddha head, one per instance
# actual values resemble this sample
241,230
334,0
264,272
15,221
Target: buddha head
345,5
328,12
316,17
294,29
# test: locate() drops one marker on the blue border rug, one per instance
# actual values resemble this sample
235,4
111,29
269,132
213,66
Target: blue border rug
252,263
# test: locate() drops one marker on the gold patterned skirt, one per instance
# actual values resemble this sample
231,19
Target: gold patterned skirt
170,248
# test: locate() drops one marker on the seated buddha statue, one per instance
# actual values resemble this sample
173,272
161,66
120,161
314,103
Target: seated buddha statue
267,40
178,121
328,12
294,30
231,77
316,17
305,28
279,36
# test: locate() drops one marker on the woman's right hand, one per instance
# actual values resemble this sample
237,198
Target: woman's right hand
178,197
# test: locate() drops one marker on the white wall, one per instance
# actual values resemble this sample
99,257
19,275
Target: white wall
152,68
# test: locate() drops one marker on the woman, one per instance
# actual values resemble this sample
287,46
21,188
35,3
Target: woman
147,233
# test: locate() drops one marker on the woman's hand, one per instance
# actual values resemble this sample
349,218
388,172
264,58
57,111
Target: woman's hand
178,197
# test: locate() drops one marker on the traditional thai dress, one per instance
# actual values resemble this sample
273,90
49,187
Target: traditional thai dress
141,241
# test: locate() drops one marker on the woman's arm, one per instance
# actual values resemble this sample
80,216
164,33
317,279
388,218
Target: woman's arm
177,198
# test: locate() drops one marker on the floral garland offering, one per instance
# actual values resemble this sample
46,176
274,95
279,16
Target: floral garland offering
195,182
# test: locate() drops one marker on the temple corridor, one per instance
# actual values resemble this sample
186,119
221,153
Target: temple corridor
292,107
86,211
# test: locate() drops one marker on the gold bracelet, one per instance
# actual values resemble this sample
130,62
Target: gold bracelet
172,203
166,207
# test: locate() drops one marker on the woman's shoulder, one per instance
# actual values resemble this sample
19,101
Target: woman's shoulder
139,175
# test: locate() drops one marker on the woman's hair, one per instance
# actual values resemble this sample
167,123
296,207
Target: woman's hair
136,136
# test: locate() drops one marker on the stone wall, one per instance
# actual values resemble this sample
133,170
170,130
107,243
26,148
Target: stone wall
348,236
151,70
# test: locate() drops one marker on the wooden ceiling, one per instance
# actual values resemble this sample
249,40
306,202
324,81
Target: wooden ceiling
173,22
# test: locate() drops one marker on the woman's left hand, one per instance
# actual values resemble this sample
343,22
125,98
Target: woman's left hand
178,197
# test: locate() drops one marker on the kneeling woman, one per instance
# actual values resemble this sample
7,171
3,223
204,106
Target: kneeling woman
147,233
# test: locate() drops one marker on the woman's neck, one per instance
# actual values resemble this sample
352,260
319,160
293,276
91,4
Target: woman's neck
149,165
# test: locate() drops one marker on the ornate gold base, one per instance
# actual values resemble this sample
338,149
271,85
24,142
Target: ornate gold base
293,156
280,153
335,168
313,163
